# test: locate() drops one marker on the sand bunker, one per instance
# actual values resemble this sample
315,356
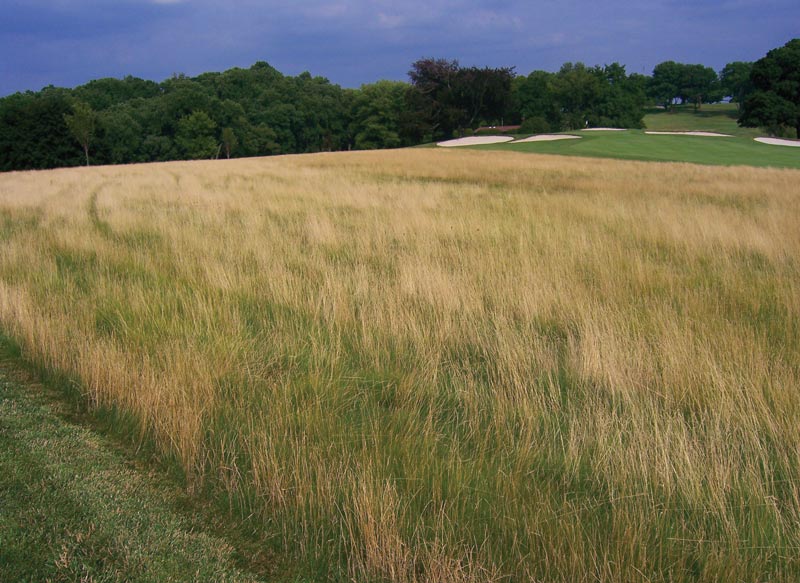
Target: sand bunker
778,142
547,138
706,134
603,130
475,141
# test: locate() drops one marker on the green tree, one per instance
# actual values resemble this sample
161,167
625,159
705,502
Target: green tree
377,114
433,97
81,124
229,141
450,98
775,100
33,134
180,98
698,84
483,95
735,81
577,90
532,101
665,83
101,94
195,136
620,103
688,83
120,136
321,114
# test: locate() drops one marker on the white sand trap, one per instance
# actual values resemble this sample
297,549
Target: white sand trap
548,138
474,141
604,130
706,134
778,142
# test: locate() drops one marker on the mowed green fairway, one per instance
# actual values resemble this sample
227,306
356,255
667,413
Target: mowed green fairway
740,149
717,117
636,145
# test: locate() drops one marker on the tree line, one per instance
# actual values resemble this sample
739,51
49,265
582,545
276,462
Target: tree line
259,111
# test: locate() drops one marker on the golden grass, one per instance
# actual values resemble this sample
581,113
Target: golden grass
441,366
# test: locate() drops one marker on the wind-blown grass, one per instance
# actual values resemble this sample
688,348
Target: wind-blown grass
430,365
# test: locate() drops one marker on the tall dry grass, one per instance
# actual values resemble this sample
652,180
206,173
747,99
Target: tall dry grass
441,366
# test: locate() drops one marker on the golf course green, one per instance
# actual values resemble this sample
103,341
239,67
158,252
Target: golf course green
738,149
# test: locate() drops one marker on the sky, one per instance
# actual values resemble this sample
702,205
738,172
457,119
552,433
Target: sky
351,42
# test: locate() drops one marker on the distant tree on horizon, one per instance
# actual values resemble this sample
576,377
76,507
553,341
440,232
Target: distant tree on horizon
433,98
451,98
775,100
695,84
229,141
735,81
33,134
81,124
195,136
259,111
699,84
532,103
378,115
664,85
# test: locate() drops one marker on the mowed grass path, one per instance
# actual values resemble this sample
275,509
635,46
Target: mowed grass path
636,145
437,366
73,507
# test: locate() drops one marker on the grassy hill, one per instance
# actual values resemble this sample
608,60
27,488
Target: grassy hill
417,365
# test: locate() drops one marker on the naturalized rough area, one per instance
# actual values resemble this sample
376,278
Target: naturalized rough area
439,365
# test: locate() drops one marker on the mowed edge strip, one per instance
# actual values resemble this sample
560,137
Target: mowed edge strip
74,507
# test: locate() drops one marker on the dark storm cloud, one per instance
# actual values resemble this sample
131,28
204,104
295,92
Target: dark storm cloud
52,21
67,42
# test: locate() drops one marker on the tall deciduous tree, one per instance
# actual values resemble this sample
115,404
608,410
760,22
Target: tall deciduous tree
81,124
775,100
195,136
120,136
229,141
33,133
377,112
699,84
483,95
101,94
620,103
452,98
665,84
434,95
533,102
735,81
577,89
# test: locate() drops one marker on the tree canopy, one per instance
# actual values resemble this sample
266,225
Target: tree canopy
578,96
448,99
81,124
259,111
673,82
774,102
735,81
